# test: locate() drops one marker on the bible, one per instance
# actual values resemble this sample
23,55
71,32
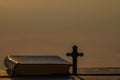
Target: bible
36,65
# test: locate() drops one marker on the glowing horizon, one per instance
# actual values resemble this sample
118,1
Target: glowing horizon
53,27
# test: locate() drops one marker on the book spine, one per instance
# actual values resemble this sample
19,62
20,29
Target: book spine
10,64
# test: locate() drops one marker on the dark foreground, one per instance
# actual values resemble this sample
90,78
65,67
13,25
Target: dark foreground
84,74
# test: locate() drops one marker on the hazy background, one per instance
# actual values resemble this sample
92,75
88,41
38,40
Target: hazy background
52,27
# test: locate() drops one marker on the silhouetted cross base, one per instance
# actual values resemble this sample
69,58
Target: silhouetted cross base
74,55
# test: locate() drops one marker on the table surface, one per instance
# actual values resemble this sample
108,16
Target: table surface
4,76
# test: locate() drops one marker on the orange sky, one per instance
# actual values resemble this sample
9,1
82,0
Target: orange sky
52,26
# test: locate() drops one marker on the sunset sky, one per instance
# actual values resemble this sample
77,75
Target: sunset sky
52,27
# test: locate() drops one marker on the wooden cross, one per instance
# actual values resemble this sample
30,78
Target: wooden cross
74,55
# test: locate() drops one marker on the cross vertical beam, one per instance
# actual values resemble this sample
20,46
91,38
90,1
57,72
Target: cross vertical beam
74,55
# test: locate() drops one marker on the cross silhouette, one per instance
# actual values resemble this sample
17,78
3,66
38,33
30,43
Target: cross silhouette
74,55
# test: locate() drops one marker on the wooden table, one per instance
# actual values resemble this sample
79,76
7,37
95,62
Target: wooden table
83,75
